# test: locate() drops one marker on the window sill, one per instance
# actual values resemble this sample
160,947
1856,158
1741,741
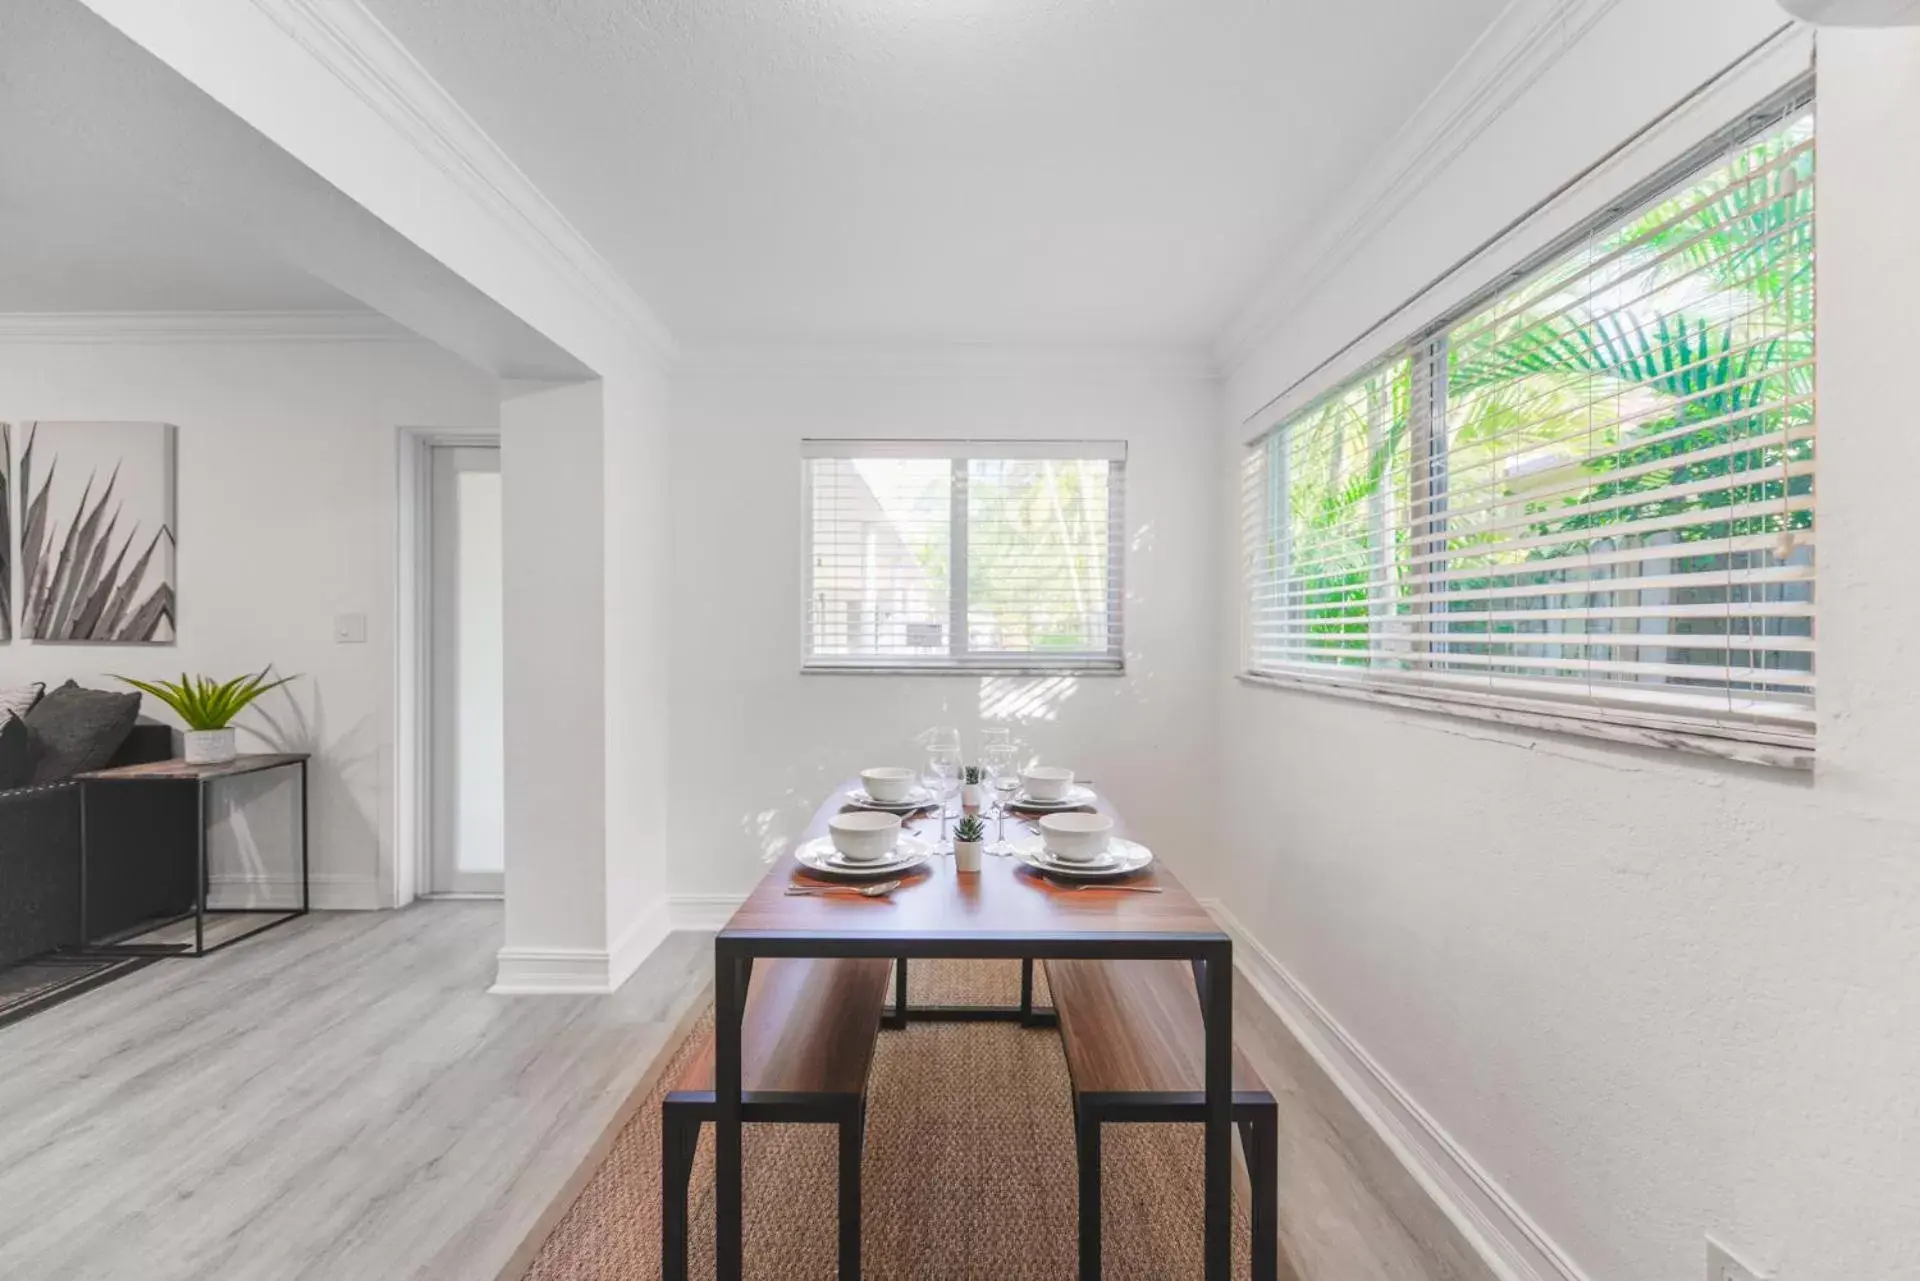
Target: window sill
1776,750
952,669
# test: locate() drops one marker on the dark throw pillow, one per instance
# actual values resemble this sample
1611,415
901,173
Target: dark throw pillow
75,730
16,753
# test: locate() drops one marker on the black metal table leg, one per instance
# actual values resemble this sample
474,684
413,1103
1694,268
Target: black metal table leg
1087,1134
676,1165
852,1140
200,876
306,828
898,1018
729,1007
1263,1170
1218,1007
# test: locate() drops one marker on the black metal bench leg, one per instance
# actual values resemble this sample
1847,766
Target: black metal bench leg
898,1018
1026,989
1087,1127
852,1139
678,1143
1263,1177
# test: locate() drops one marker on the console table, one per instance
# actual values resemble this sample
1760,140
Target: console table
198,781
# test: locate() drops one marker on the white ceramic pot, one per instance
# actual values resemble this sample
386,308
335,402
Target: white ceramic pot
966,856
210,746
973,796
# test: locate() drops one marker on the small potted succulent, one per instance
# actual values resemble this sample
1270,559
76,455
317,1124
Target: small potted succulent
208,708
969,834
973,795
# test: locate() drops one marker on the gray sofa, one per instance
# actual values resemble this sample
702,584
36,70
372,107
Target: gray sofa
40,885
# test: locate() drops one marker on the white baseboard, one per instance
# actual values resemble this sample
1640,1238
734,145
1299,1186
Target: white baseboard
702,912
1512,1245
637,944
551,971
580,971
329,891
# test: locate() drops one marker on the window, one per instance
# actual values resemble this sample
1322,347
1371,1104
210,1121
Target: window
963,555
1590,493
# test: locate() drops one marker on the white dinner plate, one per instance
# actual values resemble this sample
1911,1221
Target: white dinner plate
1123,858
818,855
918,799
1075,797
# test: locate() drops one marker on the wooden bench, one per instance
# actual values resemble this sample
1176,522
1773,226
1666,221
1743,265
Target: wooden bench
806,1044
1135,1046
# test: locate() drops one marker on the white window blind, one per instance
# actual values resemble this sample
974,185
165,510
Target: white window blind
1595,490
964,554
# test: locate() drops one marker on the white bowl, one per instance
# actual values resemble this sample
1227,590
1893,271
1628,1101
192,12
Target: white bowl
888,784
864,836
1047,782
1076,838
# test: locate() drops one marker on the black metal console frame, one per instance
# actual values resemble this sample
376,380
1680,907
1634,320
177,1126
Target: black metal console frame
200,912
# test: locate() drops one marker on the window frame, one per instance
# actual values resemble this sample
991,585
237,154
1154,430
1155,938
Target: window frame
1761,742
960,659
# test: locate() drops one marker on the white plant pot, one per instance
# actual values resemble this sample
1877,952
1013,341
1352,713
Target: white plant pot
973,796
210,746
966,856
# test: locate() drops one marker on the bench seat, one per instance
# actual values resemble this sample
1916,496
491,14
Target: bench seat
1135,1046
806,1043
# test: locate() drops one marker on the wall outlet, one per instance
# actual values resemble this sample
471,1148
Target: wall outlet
1723,1266
349,629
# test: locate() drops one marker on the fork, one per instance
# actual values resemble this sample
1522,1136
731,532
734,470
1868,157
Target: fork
879,889
1125,889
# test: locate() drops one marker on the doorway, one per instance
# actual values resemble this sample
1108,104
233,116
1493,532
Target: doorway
465,673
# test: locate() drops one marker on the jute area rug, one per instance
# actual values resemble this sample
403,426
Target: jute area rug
969,1170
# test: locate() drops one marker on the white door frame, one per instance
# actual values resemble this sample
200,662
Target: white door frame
408,876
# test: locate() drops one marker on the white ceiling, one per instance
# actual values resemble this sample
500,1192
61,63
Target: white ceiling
124,188
80,229
80,239
1001,170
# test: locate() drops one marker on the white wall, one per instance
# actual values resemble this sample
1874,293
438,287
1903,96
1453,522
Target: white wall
551,459
755,746
1652,996
286,513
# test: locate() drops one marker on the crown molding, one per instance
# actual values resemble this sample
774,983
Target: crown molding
363,55
947,360
1521,45
200,326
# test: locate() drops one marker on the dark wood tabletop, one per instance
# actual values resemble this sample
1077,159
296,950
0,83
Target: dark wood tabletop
180,770
1005,910
1004,898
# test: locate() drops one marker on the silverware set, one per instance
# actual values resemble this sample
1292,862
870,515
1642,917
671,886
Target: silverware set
879,889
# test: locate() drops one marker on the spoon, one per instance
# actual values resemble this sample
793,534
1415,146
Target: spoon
878,890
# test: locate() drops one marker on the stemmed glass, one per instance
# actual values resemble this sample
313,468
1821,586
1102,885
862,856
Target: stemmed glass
1003,774
941,774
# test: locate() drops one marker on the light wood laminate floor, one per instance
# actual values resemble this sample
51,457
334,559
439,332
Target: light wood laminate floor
336,1098
340,1099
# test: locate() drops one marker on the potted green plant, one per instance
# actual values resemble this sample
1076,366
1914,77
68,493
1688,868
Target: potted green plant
973,794
968,836
208,708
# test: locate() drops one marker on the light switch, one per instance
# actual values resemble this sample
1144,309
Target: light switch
349,629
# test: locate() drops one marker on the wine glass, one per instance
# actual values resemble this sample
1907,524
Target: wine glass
941,774
1003,776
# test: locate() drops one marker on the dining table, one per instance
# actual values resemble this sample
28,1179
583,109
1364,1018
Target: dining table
1006,911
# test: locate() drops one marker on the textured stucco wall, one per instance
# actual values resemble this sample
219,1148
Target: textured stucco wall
1653,997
